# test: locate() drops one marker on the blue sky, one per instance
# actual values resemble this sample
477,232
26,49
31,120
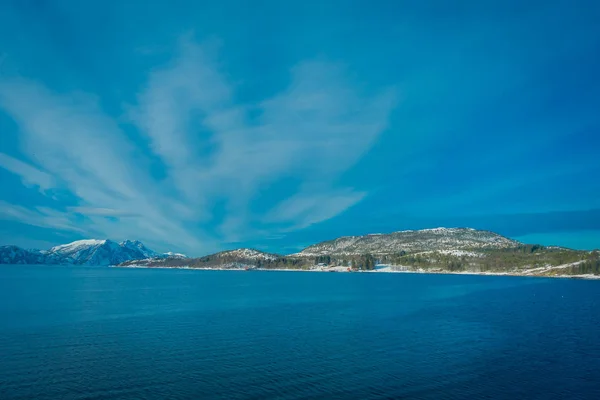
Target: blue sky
202,126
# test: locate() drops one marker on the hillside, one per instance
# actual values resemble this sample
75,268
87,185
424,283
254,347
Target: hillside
429,250
231,259
409,242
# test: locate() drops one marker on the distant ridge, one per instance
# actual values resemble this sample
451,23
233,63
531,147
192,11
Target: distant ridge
238,258
82,252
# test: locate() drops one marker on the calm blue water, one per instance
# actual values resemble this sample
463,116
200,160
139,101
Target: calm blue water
103,333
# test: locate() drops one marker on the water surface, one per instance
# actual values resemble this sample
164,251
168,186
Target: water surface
107,333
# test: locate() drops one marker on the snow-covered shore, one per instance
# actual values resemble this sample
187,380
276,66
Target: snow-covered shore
381,269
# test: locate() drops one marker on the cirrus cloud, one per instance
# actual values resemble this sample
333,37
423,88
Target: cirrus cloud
212,150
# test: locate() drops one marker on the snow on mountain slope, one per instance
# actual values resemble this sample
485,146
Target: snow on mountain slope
170,254
93,252
78,252
83,252
230,259
136,245
75,246
411,241
247,254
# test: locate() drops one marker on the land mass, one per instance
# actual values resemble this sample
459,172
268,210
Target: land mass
440,250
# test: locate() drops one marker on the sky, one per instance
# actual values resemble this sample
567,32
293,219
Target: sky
200,126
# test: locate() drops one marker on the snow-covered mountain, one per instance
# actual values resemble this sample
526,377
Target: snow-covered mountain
410,241
82,252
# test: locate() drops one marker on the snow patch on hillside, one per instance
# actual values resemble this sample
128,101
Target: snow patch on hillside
76,245
456,253
175,255
250,254
547,268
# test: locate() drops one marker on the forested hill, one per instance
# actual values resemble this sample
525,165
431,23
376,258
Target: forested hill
411,241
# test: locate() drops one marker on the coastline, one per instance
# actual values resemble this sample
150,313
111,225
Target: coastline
586,277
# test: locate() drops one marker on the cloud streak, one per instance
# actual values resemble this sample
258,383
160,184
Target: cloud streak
42,217
214,150
30,175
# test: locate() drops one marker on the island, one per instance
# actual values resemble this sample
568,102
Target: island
439,250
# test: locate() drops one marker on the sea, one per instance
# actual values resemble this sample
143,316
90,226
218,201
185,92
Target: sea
117,333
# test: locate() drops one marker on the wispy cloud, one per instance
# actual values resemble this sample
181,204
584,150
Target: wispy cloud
42,217
30,175
213,149
103,212
305,209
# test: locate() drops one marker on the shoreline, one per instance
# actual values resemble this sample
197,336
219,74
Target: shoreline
586,277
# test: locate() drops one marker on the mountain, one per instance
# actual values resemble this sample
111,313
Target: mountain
409,242
96,252
82,252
